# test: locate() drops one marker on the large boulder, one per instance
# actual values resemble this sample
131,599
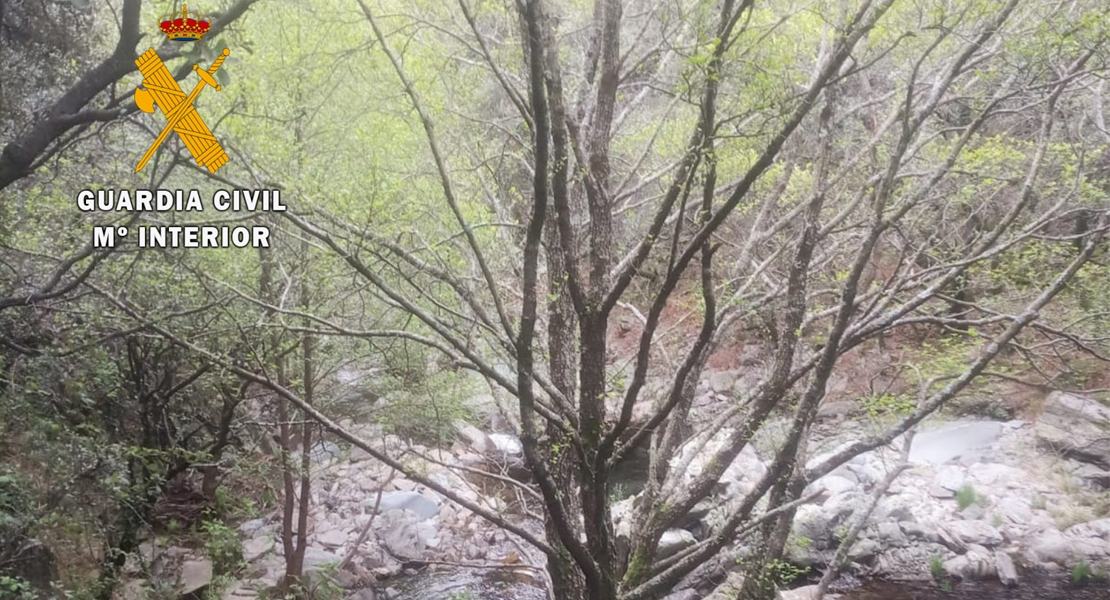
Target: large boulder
674,541
475,438
1077,427
738,479
974,532
1052,546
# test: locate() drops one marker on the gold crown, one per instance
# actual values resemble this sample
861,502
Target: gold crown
185,26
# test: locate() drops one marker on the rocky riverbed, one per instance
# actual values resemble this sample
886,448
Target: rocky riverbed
1014,503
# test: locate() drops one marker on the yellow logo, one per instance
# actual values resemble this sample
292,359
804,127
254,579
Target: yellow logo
161,89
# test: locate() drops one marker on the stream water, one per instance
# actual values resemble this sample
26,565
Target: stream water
467,584
1035,588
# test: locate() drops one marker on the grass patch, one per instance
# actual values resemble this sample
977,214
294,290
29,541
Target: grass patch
966,496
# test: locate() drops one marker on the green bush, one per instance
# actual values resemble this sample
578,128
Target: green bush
965,497
1081,574
14,588
223,547
936,567
426,412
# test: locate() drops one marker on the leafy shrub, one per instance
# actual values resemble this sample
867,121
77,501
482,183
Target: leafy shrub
965,497
14,588
936,567
1081,574
426,412
223,547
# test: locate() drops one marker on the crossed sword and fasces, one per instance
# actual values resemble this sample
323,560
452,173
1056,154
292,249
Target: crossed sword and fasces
182,117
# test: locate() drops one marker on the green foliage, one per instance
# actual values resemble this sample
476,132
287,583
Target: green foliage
781,573
14,588
426,410
966,496
223,547
886,405
1081,573
464,594
936,567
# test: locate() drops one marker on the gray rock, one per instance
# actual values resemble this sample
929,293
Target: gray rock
864,550
973,513
978,564
195,574
317,558
1007,573
953,440
249,527
729,589
255,548
833,484
408,539
835,410
974,532
1013,509
918,531
722,382
674,541
1054,547
807,592
507,444
1076,426
332,539
950,477
890,534
475,438
422,506
682,595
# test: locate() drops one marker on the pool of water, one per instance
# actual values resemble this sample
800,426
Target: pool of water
1041,588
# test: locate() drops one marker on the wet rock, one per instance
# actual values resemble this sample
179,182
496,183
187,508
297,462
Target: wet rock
1076,426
